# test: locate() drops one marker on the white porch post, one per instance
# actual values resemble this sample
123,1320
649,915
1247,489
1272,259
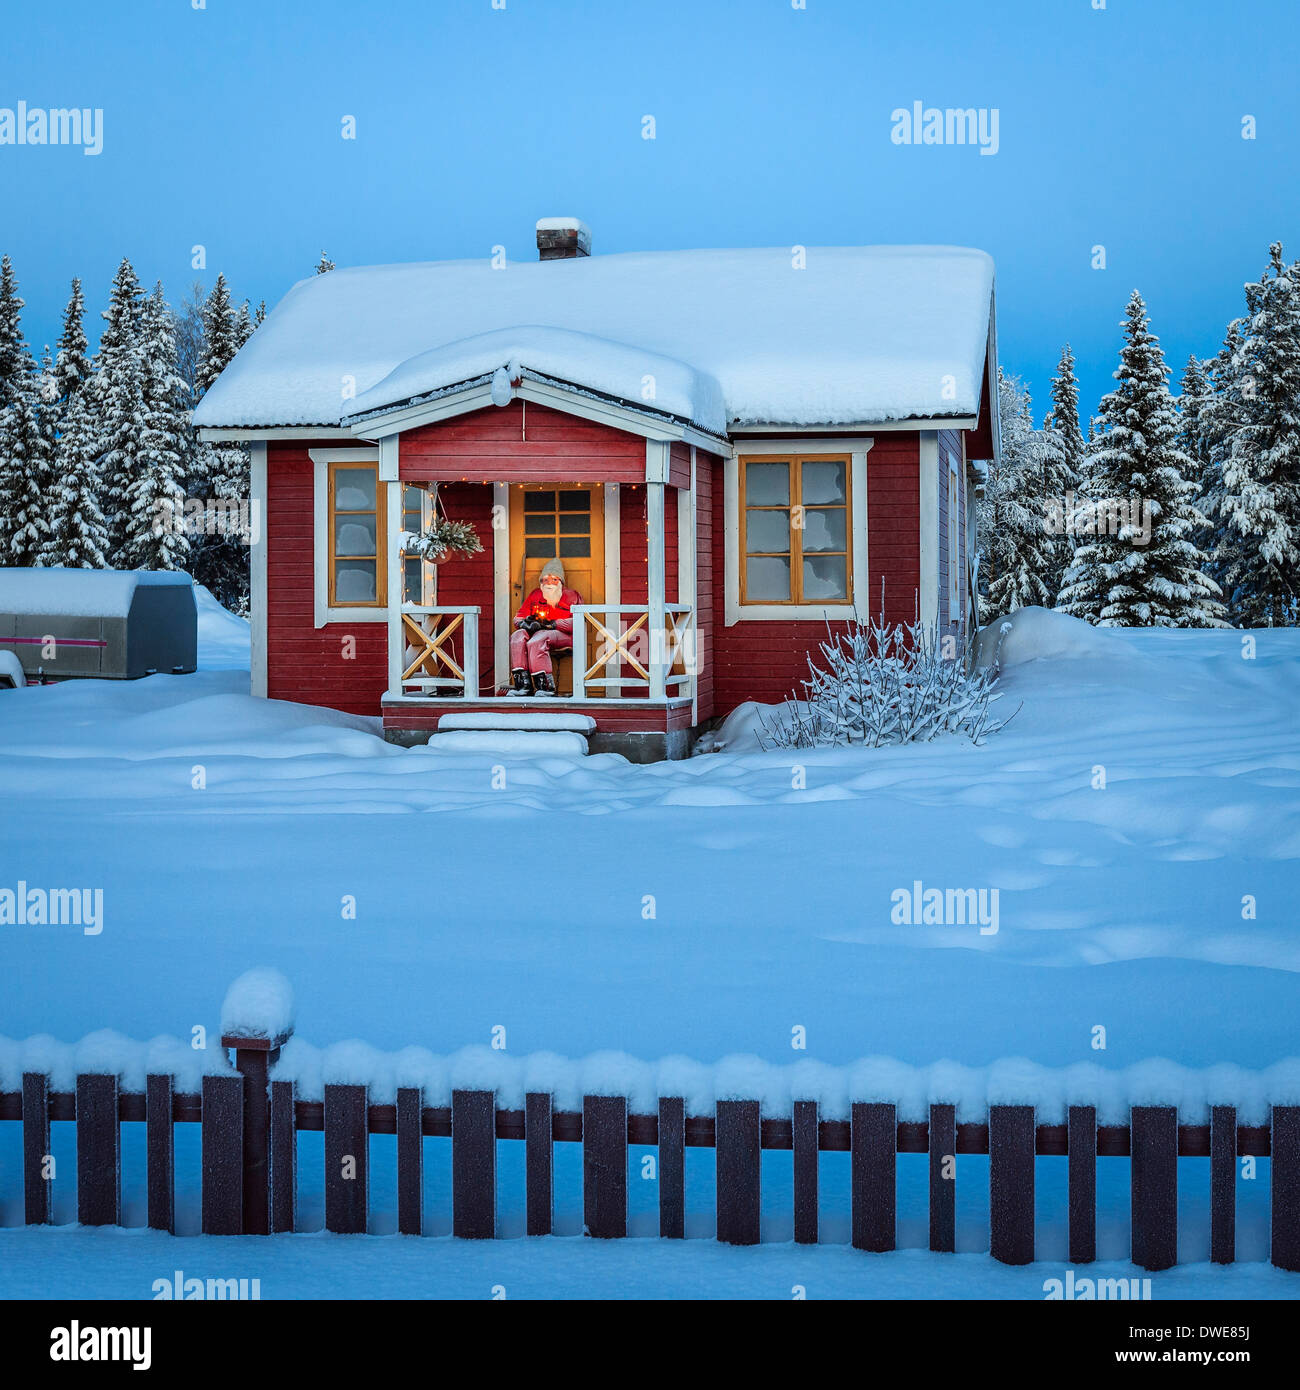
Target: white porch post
686,584
471,655
655,574
580,650
257,567
395,643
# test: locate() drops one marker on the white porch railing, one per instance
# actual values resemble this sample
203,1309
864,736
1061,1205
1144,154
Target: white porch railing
609,638
420,659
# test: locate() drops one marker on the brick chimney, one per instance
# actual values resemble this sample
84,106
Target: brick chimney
562,238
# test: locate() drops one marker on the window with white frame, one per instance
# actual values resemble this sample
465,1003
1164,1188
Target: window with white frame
796,543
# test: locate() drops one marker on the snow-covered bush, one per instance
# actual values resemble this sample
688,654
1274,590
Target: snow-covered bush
887,683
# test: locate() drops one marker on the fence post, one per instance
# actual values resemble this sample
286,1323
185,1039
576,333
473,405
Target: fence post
943,1189
539,1161
473,1164
805,1172
1154,1185
223,1153
253,1059
284,1157
672,1167
99,1152
1285,1195
874,1166
604,1165
36,1148
1081,1146
347,1146
410,1160
1223,1184
739,1156
1011,1183
160,1152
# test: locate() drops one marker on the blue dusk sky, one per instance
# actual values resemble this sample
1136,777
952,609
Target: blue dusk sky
1118,127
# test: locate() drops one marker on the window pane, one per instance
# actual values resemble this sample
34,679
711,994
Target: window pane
574,547
354,581
823,482
825,576
575,501
766,530
767,484
768,578
825,529
412,580
543,525
576,525
539,547
354,489
354,535
539,501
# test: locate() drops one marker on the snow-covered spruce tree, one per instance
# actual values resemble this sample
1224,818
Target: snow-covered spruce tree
1258,438
1017,546
1141,567
72,360
77,534
1193,440
220,471
116,408
25,463
155,537
1066,463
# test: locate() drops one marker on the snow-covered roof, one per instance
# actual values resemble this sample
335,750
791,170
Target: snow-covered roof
859,335
77,593
613,369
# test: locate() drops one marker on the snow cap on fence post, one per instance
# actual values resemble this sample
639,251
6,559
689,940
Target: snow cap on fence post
257,1014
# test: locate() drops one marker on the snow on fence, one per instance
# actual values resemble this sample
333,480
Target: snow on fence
1153,1113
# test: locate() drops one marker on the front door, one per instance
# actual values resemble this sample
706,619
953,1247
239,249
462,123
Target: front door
549,520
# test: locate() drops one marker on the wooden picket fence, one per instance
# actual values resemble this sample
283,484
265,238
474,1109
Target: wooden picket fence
250,1124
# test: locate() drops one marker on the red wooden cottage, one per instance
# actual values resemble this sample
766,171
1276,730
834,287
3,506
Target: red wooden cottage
726,449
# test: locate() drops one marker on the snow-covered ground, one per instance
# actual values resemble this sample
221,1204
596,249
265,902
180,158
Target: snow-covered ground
703,908
108,1263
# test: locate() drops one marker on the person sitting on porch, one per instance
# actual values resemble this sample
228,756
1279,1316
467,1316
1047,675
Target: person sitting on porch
543,625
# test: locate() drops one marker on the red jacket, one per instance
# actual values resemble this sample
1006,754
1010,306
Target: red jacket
536,606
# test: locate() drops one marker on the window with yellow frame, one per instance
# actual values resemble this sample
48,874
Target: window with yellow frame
358,571
796,542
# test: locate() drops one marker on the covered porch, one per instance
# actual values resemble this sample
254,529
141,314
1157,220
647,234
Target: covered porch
628,546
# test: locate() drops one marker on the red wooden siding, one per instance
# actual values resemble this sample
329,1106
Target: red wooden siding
632,544
708,480
767,661
470,580
521,443
894,524
672,551
679,465
304,662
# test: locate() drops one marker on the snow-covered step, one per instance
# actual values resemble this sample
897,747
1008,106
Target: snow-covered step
525,719
511,743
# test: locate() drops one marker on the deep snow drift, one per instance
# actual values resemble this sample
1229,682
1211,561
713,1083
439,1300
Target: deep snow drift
1137,821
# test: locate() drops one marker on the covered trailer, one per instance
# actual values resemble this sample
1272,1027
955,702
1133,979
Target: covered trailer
98,624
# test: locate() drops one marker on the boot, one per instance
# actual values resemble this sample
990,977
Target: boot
543,684
519,683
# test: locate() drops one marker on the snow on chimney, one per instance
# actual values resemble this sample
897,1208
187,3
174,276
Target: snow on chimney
562,238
